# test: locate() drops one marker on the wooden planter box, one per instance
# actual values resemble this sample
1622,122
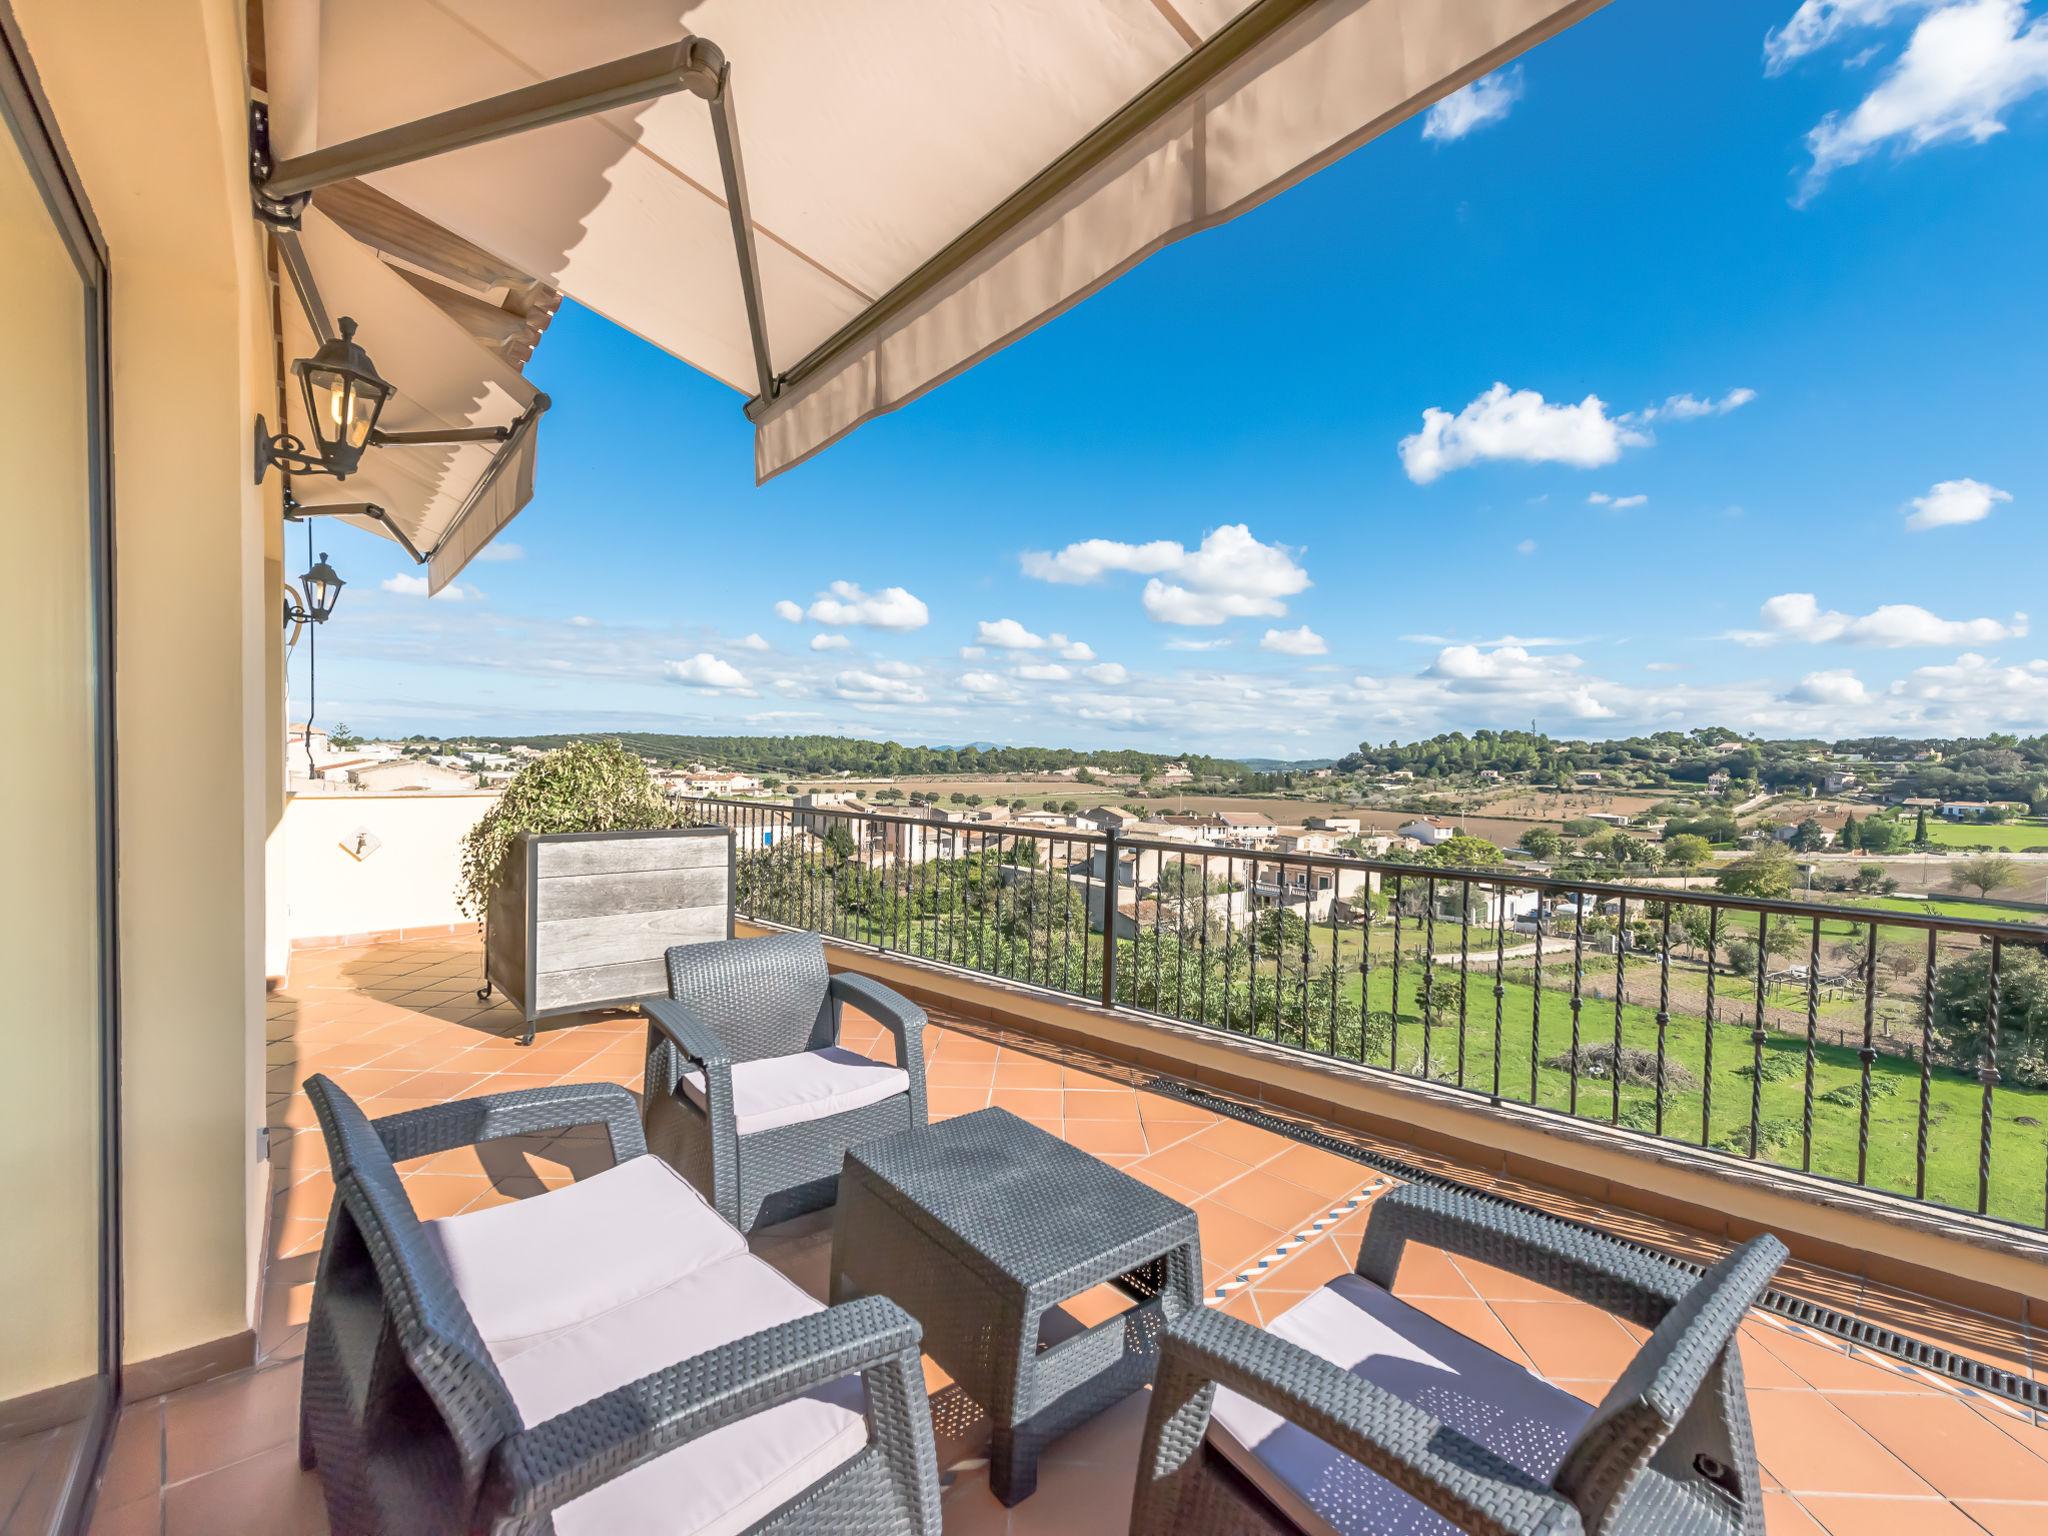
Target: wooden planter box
581,920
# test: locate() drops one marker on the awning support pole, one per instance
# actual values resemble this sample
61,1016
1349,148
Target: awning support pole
725,129
439,437
293,255
521,428
693,64
294,513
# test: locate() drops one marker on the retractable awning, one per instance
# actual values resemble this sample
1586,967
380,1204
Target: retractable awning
840,203
442,498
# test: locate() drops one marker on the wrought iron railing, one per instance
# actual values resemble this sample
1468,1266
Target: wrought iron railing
1891,1047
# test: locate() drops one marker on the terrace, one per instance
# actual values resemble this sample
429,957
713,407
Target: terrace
1852,1440
206,207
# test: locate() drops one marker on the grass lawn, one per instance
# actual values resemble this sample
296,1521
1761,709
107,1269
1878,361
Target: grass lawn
2007,837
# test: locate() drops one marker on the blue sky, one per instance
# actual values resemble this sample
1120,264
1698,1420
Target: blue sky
1765,276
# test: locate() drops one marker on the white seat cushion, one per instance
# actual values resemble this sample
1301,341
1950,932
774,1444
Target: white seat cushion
541,1264
1354,1324
811,1085
727,1480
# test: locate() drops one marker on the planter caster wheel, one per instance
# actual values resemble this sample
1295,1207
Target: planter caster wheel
483,993
527,1038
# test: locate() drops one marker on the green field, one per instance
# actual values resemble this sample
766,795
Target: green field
2008,837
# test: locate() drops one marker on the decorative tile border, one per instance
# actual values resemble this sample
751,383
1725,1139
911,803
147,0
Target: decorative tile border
1289,1246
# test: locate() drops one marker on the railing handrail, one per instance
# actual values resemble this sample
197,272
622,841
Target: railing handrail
1503,875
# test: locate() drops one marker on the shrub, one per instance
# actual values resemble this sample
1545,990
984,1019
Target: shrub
587,786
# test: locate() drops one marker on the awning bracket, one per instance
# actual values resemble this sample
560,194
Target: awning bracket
295,513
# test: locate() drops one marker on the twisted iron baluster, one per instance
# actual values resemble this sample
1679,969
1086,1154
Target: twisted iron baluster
1926,1071
1812,1026
1757,1034
1663,1006
1988,1075
1868,1054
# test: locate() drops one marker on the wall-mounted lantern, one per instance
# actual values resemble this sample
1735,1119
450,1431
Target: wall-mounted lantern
344,396
321,587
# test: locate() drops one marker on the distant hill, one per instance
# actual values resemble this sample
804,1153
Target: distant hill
801,756
1287,764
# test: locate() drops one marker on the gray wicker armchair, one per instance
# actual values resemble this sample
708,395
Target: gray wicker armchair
1354,1412
748,1093
490,1372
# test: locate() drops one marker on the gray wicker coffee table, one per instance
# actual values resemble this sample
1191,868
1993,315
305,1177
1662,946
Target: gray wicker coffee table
980,1227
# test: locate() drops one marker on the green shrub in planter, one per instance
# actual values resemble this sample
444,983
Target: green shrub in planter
590,786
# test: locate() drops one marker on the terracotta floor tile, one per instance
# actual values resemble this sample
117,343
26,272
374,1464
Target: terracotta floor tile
1858,1516
1567,1340
210,1426
945,1073
135,1461
1249,1144
1324,1172
1783,1516
2006,1519
1105,1136
1430,1272
267,1495
1811,1446
1260,1194
136,1517
1014,1070
1947,1444
1823,1363
1477,1322
435,1195
1193,1167
945,1102
1101,1104
1231,1238
1031,1103
1159,1106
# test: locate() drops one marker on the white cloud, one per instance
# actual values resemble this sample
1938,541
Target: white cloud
1619,503
1230,575
1526,547
1294,642
752,643
983,682
793,612
1516,424
1108,673
1689,407
898,669
1665,666
501,553
1975,688
973,652
877,687
1965,66
405,584
1007,635
830,643
706,671
1071,650
1818,23
1837,685
1044,672
1951,502
582,621
1549,683
1199,645
1482,103
1798,616
891,608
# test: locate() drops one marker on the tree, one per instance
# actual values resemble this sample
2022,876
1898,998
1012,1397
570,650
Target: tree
1850,838
1920,828
1687,852
1767,873
1541,842
1881,835
1463,852
1985,873
1962,1009
1809,836
1741,956
1870,878
342,739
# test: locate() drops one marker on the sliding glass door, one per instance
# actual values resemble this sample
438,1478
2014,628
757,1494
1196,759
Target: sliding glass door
58,1255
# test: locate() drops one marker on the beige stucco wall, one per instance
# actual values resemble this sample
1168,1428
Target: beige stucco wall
49,922
407,882
151,100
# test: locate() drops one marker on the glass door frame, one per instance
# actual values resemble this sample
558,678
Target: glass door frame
26,118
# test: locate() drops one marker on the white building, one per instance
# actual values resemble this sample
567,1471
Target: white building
1429,830
1341,826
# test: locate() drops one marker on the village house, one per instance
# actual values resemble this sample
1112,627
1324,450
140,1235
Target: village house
1429,831
1341,826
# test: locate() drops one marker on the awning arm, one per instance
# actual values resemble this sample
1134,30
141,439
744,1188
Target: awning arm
725,129
522,428
439,437
293,255
694,65
294,513
1250,28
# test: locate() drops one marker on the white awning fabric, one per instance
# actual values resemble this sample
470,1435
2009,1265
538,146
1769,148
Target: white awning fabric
874,136
448,499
